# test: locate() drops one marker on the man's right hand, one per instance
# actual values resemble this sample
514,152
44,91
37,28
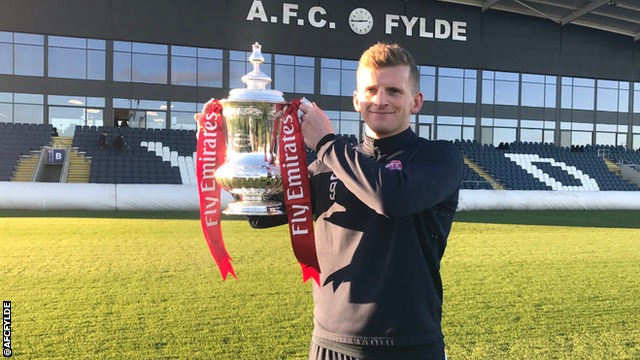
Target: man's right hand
314,124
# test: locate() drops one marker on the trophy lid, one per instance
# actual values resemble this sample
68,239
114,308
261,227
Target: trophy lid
256,82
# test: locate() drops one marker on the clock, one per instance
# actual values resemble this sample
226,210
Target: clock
360,21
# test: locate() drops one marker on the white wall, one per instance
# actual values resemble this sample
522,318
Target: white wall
60,196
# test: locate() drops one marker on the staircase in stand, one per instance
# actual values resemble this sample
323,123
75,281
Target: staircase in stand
494,183
26,167
79,167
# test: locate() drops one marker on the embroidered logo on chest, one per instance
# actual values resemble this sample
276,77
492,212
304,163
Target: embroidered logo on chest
394,165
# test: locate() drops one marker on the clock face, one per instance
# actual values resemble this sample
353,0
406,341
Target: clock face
360,21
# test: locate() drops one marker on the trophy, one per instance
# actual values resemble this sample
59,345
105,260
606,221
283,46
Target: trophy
252,120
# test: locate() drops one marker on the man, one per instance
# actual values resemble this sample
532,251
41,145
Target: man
384,211
119,143
102,141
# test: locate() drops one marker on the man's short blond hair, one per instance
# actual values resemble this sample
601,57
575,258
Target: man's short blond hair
383,55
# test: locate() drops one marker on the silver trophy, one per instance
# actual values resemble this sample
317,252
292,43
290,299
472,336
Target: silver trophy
252,118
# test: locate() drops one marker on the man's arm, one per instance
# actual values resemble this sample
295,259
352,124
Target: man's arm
432,176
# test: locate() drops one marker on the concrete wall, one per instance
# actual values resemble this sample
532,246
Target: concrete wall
61,196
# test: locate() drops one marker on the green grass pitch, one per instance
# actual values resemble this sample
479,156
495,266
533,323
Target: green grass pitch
518,285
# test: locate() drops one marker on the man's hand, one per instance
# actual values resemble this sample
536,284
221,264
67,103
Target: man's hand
315,124
205,109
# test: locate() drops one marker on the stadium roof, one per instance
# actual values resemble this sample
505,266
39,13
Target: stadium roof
618,16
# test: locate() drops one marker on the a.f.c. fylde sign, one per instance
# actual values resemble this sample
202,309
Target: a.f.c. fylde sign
359,20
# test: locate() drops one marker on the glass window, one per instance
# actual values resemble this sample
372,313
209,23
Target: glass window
606,127
31,39
535,124
210,72
6,58
425,119
428,82
349,127
330,63
486,136
210,53
581,126
622,140
150,48
28,98
605,138
349,82
96,65
578,93
532,135
581,137
450,89
28,60
65,119
500,88
6,37
305,80
533,94
548,136
192,66
28,114
607,99
121,66
77,58
157,119
449,132
338,82
284,77
424,131
505,122
456,85
149,68
329,82
95,117
66,100
182,120
636,97
183,70
468,133
6,113
503,135
449,120
506,93
67,63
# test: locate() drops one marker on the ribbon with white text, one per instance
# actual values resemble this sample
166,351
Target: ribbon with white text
210,156
297,193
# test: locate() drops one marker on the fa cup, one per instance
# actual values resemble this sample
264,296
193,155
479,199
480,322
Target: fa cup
252,120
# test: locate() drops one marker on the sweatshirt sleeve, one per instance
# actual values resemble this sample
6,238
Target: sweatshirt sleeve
428,177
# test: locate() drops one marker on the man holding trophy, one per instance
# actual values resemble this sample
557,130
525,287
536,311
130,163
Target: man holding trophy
384,210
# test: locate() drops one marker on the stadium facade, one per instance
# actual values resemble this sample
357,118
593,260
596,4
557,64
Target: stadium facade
493,76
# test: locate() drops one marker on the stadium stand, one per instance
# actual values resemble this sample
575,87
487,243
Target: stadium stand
160,156
20,139
151,156
537,166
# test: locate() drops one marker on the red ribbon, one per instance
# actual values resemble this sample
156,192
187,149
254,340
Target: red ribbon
295,177
210,156
297,193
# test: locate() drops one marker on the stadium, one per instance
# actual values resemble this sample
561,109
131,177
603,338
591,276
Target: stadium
541,97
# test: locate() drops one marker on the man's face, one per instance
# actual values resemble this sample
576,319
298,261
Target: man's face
385,99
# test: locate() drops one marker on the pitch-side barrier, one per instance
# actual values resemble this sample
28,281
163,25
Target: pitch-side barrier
134,197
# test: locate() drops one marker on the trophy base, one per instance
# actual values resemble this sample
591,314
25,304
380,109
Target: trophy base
254,208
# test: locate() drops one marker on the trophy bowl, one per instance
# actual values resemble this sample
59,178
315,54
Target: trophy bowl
252,119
